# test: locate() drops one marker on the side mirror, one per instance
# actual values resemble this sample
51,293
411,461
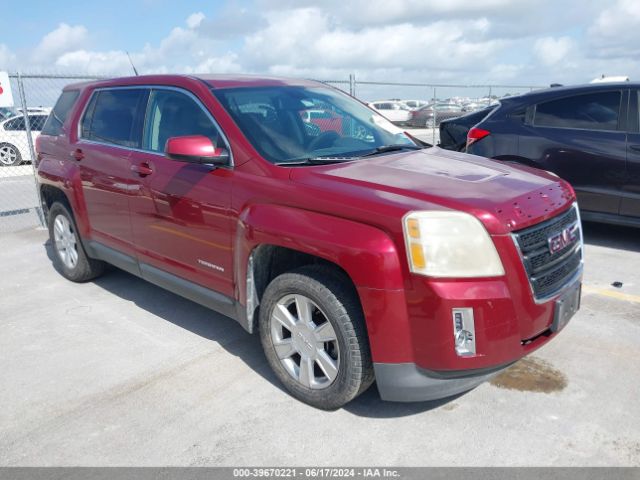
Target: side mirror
195,149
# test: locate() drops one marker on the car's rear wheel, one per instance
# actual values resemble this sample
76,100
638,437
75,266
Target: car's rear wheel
9,155
69,256
314,336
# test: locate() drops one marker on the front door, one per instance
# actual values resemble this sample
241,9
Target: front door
582,138
630,205
180,214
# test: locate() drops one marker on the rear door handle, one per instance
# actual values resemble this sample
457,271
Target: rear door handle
143,169
77,154
635,147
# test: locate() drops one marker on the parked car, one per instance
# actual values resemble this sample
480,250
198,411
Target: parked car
355,255
324,120
14,144
476,106
587,134
414,104
453,132
394,111
431,115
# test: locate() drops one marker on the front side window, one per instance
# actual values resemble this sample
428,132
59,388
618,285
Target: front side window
175,114
283,124
593,111
113,116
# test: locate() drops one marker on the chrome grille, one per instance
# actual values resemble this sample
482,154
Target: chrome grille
549,272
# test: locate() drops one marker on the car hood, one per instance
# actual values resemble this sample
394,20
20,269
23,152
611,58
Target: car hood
504,197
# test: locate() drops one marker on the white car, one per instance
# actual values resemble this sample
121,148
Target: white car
414,104
395,112
14,145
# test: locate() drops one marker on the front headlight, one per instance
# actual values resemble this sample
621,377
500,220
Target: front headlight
450,244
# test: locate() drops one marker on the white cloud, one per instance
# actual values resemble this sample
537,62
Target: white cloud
227,63
184,49
385,12
65,38
7,58
551,51
616,32
94,63
454,41
195,19
303,38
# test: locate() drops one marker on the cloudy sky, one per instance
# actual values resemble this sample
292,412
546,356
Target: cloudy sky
521,42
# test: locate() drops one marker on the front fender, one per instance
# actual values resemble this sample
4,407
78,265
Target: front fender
366,253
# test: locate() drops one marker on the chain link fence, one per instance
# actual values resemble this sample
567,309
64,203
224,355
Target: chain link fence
35,95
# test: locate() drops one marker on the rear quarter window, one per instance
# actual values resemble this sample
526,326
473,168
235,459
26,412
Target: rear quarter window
53,124
592,111
16,124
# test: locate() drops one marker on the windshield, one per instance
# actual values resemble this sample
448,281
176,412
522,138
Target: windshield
290,123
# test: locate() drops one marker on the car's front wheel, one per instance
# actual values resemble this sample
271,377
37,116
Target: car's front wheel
69,256
9,155
314,336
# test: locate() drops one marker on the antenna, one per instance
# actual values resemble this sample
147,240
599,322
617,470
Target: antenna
132,65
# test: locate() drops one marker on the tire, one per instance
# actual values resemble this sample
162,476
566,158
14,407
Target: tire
335,341
69,256
9,155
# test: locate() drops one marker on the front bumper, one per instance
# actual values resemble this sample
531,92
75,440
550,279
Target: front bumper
406,382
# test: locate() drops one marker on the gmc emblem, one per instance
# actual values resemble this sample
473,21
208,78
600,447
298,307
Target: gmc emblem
560,240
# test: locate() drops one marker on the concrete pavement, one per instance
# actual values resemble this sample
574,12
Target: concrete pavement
120,372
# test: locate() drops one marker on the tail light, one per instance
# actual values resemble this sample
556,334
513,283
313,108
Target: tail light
476,134
38,152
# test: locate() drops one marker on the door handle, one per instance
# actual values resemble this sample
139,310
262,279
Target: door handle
635,147
77,154
142,169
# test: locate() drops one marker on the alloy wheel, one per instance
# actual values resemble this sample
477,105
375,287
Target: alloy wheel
8,155
305,341
65,241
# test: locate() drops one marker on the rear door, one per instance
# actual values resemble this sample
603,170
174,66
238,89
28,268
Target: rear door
630,205
111,127
583,140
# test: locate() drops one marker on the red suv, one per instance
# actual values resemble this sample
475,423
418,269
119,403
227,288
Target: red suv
357,253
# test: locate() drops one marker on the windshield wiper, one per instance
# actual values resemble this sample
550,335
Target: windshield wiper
391,148
317,161
329,160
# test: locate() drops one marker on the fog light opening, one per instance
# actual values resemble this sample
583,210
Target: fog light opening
464,331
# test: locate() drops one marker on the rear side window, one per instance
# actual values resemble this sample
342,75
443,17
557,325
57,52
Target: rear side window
593,111
53,125
17,124
113,116
36,122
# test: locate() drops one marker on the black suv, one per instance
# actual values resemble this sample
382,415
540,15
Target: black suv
586,134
